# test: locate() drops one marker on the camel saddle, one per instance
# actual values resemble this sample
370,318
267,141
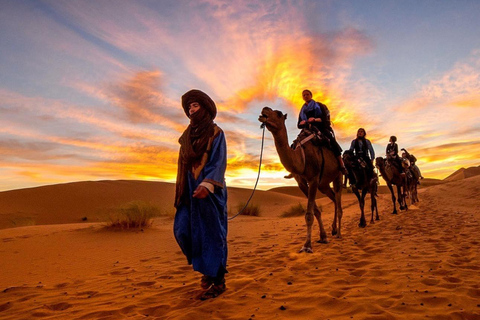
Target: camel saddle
314,135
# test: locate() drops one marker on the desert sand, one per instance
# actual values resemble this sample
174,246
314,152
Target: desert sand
421,263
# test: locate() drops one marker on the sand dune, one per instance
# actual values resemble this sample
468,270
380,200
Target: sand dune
93,200
423,263
463,173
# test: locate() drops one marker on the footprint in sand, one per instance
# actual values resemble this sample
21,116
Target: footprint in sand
430,282
452,279
87,293
145,284
157,311
61,285
41,314
58,306
5,306
150,259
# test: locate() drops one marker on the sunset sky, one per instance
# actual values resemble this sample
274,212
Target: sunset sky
90,90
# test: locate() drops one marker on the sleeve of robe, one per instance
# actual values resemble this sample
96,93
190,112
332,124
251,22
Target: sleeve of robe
214,171
352,145
370,149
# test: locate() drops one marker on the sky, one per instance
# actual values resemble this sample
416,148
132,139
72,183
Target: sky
90,90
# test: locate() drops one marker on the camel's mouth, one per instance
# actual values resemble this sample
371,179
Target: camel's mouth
264,114
263,118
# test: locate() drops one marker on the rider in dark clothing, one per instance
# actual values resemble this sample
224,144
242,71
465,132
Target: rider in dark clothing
413,160
392,153
362,147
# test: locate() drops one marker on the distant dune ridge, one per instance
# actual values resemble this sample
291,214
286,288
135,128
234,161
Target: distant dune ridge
93,200
423,263
463,174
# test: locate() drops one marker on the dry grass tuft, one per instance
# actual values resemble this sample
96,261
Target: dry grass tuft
135,214
251,210
294,211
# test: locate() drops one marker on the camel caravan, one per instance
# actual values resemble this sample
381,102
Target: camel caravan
315,161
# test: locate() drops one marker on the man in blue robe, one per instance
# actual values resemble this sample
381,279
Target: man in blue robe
200,225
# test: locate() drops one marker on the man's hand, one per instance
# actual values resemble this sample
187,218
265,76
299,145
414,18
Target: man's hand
310,120
302,122
200,193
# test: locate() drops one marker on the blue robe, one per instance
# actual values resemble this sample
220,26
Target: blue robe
200,225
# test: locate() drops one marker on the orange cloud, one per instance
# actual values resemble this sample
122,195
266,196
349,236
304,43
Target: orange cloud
441,160
321,64
458,87
143,101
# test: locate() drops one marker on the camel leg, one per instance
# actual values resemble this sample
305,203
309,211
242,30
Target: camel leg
326,190
401,200
309,215
373,205
393,198
302,184
416,192
363,221
361,204
323,233
336,196
337,186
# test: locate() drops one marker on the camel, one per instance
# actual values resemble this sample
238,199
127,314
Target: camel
392,175
313,167
365,183
411,181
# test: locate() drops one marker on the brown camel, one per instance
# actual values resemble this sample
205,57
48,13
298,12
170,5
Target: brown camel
313,167
364,182
392,175
411,181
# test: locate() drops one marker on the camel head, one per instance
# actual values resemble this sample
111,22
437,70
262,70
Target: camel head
379,162
274,120
348,158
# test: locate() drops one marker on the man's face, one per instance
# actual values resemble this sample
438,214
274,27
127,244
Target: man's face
307,96
360,133
193,107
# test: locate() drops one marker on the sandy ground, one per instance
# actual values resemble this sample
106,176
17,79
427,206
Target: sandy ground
423,263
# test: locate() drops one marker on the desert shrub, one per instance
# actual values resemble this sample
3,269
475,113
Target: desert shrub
135,214
19,221
294,211
251,210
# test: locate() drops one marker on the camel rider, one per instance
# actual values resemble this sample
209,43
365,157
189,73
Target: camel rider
362,148
392,153
413,160
317,115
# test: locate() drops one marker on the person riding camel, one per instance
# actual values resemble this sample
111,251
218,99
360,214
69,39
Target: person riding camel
362,148
317,115
413,160
392,154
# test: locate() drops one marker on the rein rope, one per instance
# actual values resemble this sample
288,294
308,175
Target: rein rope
258,176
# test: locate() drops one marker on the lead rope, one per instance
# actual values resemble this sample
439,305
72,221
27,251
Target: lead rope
258,176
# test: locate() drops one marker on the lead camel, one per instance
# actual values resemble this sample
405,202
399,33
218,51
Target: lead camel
313,170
